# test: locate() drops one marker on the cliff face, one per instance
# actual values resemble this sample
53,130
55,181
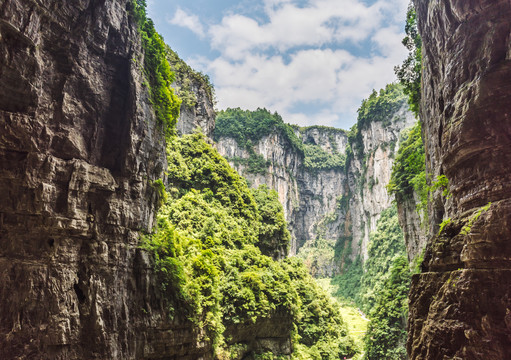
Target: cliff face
414,229
459,304
368,175
78,151
307,196
324,207
197,95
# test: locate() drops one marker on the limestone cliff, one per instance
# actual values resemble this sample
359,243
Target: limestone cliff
327,208
79,152
460,303
368,175
414,227
197,95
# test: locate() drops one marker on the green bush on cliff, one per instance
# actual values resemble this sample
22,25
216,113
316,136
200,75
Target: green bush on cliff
379,287
409,73
185,77
409,170
386,335
157,70
380,106
207,248
318,159
274,237
248,127
384,244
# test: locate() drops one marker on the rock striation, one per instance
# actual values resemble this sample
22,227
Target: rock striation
460,303
368,175
327,208
80,149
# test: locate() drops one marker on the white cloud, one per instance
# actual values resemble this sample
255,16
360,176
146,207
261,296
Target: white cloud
300,56
191,22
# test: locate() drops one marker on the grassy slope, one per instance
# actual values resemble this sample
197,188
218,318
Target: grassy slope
356,322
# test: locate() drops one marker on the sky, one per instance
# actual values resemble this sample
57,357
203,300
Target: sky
312,61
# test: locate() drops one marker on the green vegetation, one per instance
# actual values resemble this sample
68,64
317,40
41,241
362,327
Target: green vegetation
468,226
384,244
409,171
157,70
318,159
208,247
185,77
255,163
441,182
386,336
274,236
380,107
379,286
409,73
248,127
357,323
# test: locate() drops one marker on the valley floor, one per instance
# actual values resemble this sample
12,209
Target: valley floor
355,319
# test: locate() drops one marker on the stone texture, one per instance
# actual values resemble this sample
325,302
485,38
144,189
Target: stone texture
311,198
368,175
465,110
413,225
79,149
201,115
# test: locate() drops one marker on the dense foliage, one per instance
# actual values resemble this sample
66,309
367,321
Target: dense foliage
409,73
185,77
157,70
248,127
254,164
379,287
318,159
384,244
207,247
274,236
386,336
380,106
409,170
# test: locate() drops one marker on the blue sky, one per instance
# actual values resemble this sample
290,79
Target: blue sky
312,61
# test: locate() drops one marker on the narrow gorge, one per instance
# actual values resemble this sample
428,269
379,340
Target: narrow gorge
137,221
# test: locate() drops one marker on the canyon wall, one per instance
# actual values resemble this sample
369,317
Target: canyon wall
80,149
368,175
460,303
328,208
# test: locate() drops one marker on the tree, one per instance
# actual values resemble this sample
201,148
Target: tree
409,73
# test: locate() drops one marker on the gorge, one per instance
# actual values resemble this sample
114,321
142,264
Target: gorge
128,230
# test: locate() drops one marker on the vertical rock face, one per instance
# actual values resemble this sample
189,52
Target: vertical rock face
368,175
79,147
328,205
414,229
460,304
284,174
197,95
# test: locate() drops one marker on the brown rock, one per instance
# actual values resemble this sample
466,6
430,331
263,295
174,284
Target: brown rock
466,94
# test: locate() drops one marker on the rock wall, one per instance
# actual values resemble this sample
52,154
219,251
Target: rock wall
326,206
79,150
197,95
460,303
368,175
414,227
